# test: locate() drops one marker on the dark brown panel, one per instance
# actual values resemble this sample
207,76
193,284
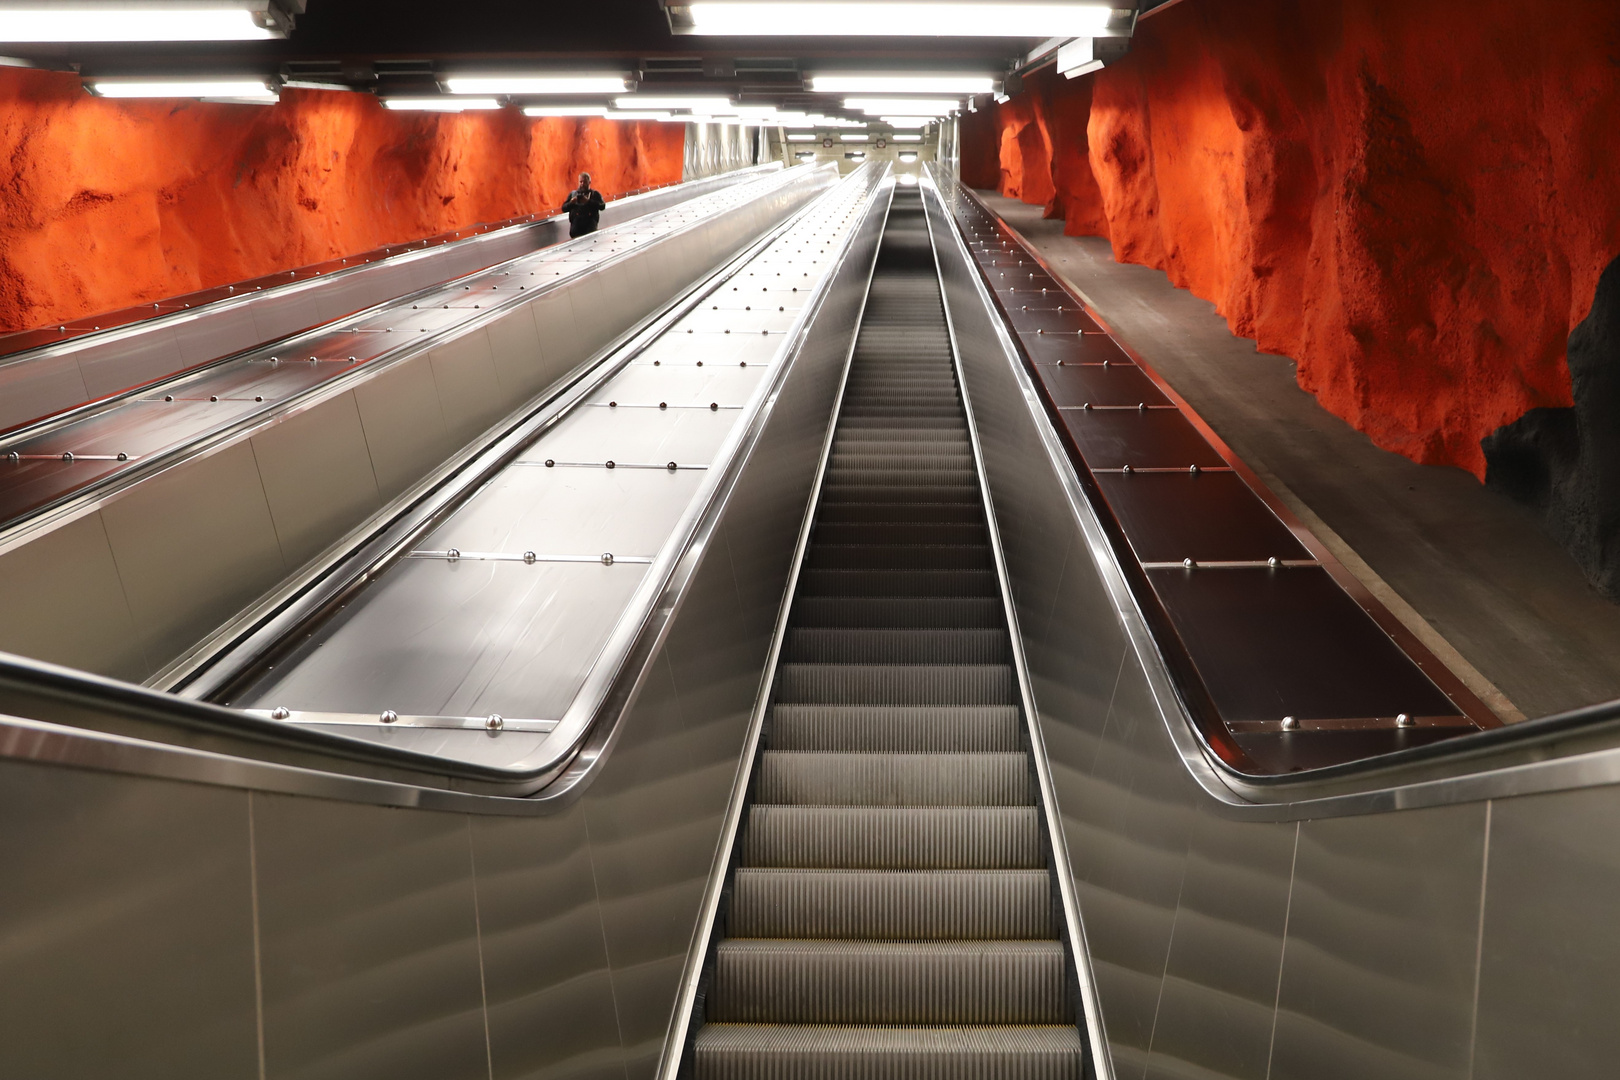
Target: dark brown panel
1291,642
1114,385
1212,516
1156,438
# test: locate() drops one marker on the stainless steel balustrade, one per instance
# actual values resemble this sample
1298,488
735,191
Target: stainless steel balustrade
219,915
126,574
1440,912
85,367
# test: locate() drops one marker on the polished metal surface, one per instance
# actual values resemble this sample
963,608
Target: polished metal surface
45,371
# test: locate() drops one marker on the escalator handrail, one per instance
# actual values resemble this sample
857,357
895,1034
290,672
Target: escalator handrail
1575,749
224,745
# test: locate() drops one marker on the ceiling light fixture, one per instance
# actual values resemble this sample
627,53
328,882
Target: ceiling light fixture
904,106
855,138
793,137
858,18
652,101
246,90
147,20
565,110
902,84
906,138
907,158
536,84
908,121
440,104
642,114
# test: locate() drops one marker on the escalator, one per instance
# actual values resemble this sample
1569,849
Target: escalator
892,909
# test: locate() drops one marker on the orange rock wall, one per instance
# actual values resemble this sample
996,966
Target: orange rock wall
1412,200
109,203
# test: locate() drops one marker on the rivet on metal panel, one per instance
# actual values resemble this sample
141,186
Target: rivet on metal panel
700,363
123,457
495,722
388,716
1290,723
1125,469
1105,363
714,406
14,457
672,466
613,404
453,554
610,463
275,359
1274,562
1193,469
67,457
213,397
550,463
1403,720
258,397
280,712
607,558
528,556
663,404
1188,563
168,397
1141,406
1087,406
742,363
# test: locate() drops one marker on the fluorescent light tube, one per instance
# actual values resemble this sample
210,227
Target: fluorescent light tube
695,104
902,84
629,114
535,84
857,18
907,158
440,104
565,110
236,89
854,138
908,121
905,138
904,106
156,21
801,138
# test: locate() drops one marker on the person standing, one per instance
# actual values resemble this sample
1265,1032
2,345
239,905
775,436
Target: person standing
584,206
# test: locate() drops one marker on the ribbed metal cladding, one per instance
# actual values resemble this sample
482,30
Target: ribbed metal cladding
891,914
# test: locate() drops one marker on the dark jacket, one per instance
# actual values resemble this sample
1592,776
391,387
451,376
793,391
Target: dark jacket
584,210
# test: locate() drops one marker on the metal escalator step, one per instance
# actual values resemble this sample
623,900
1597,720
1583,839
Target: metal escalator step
899,557
825,778
867,490
912,513
855,611
891,905
895,728
889,982
895,838
829,645
918,460
896,684
875,583
828,1052
900,532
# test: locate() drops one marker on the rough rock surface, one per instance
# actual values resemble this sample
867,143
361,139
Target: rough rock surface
1566,461
1414,201
108,203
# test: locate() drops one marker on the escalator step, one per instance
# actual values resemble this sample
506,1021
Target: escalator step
899,557
828,778
896,684
889,905
921,612
895,729
908,646
953,512
904,838
884,583
827,1052
900,532
889,982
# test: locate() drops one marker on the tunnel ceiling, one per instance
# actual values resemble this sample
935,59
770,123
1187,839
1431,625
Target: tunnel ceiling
400,46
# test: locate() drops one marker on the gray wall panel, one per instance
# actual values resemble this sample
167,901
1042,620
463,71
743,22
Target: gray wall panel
193,546
1378,977
37,388
127,908
1550,952
369,934
64,602
317,477
404,424
550,992
470,397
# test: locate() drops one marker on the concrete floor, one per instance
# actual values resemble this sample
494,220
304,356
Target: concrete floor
1468,569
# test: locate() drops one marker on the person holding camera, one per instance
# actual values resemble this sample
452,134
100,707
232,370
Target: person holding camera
584,207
